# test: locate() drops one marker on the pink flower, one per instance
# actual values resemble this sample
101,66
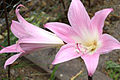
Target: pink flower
84,39
30,38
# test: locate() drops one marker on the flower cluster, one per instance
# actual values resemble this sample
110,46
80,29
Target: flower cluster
84,37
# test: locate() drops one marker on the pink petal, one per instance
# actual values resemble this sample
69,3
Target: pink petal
12,48
12,59
27,47
66,53
43,36
50,40
109,43
18,30
98,20
78,16
37,33
64,31
91,62
20,18
29,28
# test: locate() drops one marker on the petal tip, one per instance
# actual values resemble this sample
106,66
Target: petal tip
17,8
13,21
1,52
53,63
5,66
45,25
111,9
20,5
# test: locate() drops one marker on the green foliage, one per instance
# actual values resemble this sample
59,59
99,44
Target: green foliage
4,78
19,78
113,70
38,19
13,40
52,77
41,18
21,65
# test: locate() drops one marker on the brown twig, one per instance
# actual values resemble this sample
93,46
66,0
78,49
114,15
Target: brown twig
63,4
8,34
89,3
74,77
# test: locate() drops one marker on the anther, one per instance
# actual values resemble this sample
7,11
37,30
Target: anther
77,51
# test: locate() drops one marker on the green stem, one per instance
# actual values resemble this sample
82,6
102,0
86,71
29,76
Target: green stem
52,77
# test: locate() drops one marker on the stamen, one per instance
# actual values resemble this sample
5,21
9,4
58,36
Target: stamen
88,48
79,48
77,51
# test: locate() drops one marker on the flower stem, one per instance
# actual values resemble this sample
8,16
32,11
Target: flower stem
52,77
90,78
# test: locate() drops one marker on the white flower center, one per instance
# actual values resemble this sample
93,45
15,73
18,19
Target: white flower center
87,47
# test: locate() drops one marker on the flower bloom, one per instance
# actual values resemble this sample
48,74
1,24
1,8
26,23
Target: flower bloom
84,39
30,38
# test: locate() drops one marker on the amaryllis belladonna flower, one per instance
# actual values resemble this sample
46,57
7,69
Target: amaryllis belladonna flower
30,38
84,37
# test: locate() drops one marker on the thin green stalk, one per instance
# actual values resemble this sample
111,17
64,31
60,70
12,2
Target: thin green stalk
52,77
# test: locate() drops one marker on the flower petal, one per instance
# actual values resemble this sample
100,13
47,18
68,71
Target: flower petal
11,59
64,31
13,48
109,43
31,29
42,40
91,62
78,16
18,29
98,20
66,53
28,47
20,18
36,32
43,36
